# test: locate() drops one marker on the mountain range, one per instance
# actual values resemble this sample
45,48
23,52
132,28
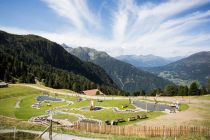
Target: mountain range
147,60
186,70
24,58
126,76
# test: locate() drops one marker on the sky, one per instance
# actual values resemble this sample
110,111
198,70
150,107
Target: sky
166,28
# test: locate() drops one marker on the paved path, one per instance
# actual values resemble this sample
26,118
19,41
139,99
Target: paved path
56,136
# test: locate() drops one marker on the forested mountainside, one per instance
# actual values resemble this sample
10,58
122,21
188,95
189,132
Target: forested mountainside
126,76
184,71
24,58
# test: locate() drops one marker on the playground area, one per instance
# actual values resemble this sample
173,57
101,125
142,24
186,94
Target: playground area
37,105
31,103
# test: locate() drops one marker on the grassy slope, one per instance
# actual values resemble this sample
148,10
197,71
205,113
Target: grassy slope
26,111
17,91
183,107
105,103
7,106
10,96
108,114
204,97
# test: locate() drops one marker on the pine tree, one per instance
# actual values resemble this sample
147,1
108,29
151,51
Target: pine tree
75,87
186,90
181,91
6,76
194,90
203,91
142,93
171,90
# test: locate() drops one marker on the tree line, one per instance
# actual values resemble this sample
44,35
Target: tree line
177,90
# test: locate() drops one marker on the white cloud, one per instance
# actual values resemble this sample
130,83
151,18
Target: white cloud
145,28
76,11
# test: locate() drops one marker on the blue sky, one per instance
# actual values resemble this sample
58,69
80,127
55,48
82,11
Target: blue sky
161,27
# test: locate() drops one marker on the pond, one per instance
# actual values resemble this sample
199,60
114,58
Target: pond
48,98
151,106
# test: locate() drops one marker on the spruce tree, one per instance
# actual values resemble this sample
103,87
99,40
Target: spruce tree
194,90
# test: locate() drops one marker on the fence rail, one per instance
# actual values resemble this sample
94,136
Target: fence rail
144,131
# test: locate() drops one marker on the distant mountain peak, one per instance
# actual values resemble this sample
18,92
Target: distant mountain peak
88,54
149,60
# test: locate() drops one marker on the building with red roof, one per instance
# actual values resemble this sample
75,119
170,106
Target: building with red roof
92,92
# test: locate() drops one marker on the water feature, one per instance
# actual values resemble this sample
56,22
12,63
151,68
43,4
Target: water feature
151,106
48,98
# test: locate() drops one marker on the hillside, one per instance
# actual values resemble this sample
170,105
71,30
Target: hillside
125,75
194,67
26,57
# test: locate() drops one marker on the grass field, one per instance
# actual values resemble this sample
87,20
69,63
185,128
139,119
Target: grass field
183,107
204,97
108,114
27,95
10,96
17,91
26,111
105,103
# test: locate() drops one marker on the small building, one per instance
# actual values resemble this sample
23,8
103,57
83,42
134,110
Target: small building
3,84
92,92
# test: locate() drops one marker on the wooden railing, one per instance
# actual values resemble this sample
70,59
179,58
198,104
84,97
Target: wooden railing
143,131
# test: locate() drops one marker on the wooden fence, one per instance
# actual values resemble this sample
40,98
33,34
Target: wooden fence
129,130
143,131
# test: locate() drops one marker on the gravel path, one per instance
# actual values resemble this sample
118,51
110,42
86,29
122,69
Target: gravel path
17,105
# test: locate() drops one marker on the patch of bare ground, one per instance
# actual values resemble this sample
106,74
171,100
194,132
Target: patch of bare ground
198,114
